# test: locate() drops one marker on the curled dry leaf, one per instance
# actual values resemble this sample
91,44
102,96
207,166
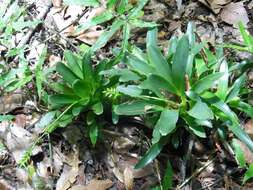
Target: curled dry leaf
249,128
215,5
233,13
94,185
10,102
18,140
57,3
128,178
69,173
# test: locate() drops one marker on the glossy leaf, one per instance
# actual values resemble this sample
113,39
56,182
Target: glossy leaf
179,63
156,58
39,77
97,108
249,173
158,85
165,124
206,82
152,153
134,108
234,126
235,89
73,64
99,19
130,90
82,89
106,36
222,88
201,111
139,65
239,153
168,177
93,133
66,73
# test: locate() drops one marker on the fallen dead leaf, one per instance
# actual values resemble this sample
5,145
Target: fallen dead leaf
69,173
249,128
233,13
128,178
94,185
215,5
57,3
10,102
18,140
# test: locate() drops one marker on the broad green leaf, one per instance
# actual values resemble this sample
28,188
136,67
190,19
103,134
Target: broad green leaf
130,90
66,73
156,58
166,123
201,111
73,63
249,173
152,153
194,127
82,2
39,72
142,24
111,3
99,19
248,40
126,36
200,66
239,153
235,89
179,63
139,65
222,88
158,85
122,6
242,106
168,177
230,115
82,89
18,83
6,117
206,82
106,36
198,130
93,133
97,108
62,99
46,119
76,110
125,74
135,12
172,46
135,108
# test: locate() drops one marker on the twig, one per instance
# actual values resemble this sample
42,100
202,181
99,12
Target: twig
29,34
195,173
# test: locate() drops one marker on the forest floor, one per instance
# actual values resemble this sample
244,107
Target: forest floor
65,159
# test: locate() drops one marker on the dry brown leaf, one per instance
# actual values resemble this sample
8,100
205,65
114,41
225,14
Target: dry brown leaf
69,174
18,140
10,102
57,3
249,128
215,5
128,178
94,185
233,13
